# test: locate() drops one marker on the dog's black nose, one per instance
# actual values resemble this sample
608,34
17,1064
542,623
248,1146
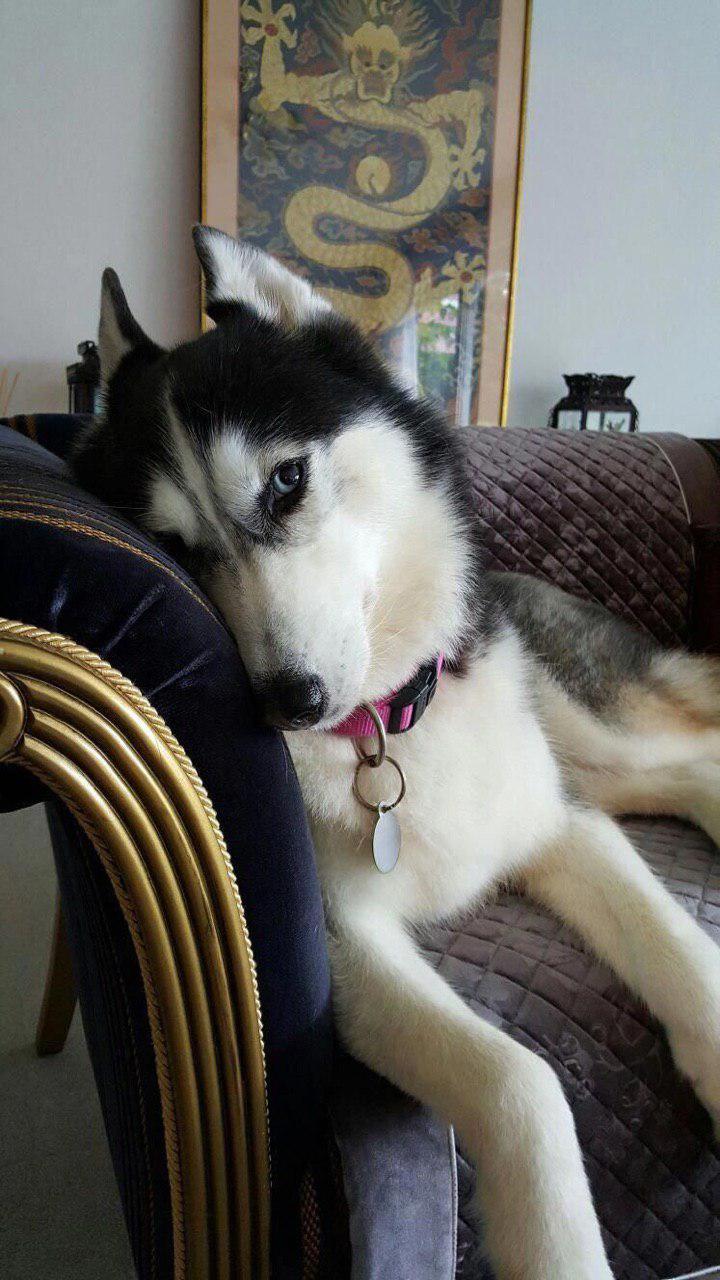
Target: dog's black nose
294,702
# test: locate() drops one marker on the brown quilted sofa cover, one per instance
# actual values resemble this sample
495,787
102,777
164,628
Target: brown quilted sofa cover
634,523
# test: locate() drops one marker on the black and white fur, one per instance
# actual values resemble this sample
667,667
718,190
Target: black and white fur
323,508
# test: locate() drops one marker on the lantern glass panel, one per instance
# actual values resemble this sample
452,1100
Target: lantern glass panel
569,420
616,420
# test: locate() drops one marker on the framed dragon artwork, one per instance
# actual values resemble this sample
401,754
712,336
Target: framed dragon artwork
375,147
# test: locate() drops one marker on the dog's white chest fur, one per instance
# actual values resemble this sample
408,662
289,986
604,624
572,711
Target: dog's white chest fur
483,792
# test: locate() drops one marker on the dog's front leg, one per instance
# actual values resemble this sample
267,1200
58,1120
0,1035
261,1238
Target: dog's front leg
595,880
399,1016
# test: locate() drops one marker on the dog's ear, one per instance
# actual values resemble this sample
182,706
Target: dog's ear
237,273
119,331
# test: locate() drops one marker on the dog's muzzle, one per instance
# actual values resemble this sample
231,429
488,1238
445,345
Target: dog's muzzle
290,701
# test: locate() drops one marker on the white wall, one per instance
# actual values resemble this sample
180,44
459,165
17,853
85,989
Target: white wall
620,254
620,245
99,151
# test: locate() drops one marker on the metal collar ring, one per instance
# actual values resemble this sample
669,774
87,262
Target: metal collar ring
384,806
375,758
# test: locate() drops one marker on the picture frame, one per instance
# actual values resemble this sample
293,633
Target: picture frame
376,147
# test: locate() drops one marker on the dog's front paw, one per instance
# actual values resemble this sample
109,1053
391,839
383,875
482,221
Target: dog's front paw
697,1056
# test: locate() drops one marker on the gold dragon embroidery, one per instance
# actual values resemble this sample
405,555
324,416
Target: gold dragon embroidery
363,92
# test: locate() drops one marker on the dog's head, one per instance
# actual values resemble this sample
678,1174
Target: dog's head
320,505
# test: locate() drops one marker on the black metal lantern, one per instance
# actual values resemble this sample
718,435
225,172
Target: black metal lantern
595,402
83,379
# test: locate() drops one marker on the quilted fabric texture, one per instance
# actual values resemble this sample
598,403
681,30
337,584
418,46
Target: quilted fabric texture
648,1146
572,507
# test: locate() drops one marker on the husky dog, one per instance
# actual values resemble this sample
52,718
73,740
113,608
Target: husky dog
324,510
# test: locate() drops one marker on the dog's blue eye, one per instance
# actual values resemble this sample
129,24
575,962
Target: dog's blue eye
286,478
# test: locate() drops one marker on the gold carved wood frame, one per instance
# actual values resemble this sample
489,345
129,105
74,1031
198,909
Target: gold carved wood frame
95,741
230,27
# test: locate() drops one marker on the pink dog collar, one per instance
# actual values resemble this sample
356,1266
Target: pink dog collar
401,710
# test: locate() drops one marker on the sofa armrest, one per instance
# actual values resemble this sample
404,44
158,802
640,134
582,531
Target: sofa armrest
83,588
632,522
697,468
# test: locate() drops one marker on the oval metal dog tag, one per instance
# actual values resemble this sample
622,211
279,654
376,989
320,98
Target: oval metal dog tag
386,841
